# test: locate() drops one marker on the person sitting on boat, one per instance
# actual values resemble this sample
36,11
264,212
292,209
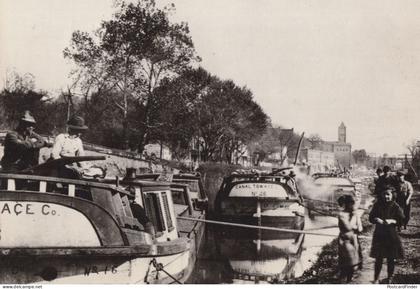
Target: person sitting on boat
70,145
21,147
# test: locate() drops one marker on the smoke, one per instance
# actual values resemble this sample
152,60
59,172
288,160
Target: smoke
308,189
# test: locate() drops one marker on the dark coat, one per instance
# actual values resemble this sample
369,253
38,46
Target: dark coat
383,182
386,243
20,152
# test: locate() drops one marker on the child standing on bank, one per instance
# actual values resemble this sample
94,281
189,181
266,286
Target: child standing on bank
350,225
386,215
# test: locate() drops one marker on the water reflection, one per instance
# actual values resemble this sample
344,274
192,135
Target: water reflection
274,258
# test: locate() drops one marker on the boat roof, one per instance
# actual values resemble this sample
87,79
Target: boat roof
231,182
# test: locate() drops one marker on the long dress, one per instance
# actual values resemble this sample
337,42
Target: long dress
385,242
348,245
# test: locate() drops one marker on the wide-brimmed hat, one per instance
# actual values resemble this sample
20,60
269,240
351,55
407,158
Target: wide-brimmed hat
27,117
77,123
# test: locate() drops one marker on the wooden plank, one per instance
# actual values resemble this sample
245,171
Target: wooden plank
42,186
160,249
119,208
126,206
72,190
11,185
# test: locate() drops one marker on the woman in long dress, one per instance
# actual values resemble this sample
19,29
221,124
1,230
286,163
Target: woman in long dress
386,215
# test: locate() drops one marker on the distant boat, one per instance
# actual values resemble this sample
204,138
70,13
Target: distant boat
329,188
60,230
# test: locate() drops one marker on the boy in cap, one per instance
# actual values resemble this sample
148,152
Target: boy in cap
21,147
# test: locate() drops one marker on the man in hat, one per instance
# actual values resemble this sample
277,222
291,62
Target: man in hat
70,145
21,147
404,193
385,180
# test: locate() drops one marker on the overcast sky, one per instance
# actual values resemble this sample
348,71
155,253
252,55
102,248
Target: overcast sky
310,64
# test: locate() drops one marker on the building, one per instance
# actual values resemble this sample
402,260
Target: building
318,160
340,148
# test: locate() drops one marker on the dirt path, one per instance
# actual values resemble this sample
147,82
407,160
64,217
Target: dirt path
407,271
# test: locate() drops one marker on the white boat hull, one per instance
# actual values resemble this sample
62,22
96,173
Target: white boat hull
92,270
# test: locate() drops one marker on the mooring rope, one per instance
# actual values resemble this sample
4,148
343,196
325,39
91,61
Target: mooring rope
256,227
307,232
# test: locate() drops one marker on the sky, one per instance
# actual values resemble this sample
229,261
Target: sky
311,64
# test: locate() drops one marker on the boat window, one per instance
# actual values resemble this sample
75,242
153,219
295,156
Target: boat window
178,196
154,211
269,190
193,184
167,211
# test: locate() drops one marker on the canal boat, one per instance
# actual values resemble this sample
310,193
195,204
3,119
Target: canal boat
263,199
328,187
61,230
186,202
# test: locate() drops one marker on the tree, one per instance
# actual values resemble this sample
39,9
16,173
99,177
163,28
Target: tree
315,141
128,56
360,156
19,95
217,114
413,148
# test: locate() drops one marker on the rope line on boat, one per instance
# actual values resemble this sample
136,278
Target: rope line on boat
256,227
307,232
158,268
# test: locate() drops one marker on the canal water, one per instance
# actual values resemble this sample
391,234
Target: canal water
260,261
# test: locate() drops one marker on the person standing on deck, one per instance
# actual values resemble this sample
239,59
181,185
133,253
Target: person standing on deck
386,215
21,147
404,193
350,225
291,182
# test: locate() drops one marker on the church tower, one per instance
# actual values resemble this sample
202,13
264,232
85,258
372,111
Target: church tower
342,133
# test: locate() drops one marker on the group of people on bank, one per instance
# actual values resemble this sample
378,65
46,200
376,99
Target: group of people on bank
22,146
390,213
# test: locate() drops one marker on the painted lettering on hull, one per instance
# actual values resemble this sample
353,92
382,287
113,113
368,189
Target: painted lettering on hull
26,209
41,224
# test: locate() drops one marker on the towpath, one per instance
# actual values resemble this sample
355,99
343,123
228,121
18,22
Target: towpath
407,271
